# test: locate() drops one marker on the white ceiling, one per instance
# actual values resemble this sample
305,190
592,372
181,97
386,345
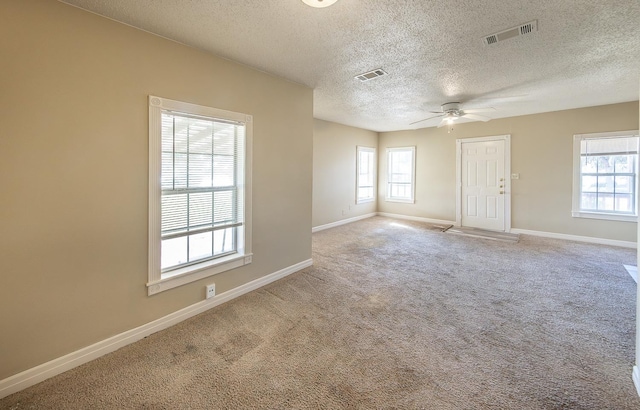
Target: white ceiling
585,52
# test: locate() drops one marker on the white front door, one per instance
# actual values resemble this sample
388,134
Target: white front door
483,183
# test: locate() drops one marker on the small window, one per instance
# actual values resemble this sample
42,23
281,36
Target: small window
366,174
606,176
199,192
401,173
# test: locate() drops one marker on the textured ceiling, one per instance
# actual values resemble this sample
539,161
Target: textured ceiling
585,52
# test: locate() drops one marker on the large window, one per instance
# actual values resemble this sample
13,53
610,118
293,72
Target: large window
401,174
366,175
605,175
199,199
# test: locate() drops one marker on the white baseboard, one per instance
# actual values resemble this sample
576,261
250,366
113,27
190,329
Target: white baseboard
636,378
341,222
589,239
417,218
54,367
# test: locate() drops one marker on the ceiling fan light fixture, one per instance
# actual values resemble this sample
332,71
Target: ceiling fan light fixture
319,3
451,111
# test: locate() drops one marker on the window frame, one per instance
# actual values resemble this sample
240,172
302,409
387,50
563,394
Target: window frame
372,170
157,282
576,210
388,196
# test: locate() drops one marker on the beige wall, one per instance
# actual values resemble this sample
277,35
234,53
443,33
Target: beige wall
74,169
334,171
541,152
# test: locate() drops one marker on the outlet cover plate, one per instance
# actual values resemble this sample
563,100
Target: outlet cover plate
211,290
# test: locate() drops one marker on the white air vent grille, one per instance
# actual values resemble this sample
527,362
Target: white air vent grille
528,28
521,30
370,75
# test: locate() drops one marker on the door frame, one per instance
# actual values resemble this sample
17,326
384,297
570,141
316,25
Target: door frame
507,176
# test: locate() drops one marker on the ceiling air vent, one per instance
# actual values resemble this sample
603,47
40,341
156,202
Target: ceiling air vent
370,75
521,30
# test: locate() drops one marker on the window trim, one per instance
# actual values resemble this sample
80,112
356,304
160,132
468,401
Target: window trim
388,196
372,150
576,212
191,273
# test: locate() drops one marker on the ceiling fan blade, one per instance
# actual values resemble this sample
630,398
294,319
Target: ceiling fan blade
476,117
501,98
443,123
475,110
436,116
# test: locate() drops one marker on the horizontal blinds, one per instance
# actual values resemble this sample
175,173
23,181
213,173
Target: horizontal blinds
202,170
202,117
609,146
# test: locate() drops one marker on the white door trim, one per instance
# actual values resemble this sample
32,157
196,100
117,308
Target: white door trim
507,176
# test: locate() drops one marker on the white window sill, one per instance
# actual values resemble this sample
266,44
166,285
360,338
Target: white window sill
405,201
365,201
193,273
604,216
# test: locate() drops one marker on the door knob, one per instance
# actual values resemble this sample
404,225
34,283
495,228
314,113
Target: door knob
501,192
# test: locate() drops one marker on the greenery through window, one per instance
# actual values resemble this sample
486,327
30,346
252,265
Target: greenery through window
608,183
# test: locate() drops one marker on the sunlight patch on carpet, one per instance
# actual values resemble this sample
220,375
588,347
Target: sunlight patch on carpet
482,233
633,271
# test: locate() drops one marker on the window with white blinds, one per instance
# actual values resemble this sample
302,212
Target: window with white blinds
200,221
200,207
605,175
365,174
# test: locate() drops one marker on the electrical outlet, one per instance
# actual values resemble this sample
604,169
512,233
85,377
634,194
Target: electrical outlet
515,176
211,290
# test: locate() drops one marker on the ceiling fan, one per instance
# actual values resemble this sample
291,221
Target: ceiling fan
451,111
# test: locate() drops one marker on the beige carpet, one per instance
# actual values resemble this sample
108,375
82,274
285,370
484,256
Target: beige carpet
393,314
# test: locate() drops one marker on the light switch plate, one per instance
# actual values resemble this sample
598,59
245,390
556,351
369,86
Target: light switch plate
515,176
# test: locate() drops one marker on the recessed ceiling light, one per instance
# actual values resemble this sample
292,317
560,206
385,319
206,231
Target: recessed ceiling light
319,3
